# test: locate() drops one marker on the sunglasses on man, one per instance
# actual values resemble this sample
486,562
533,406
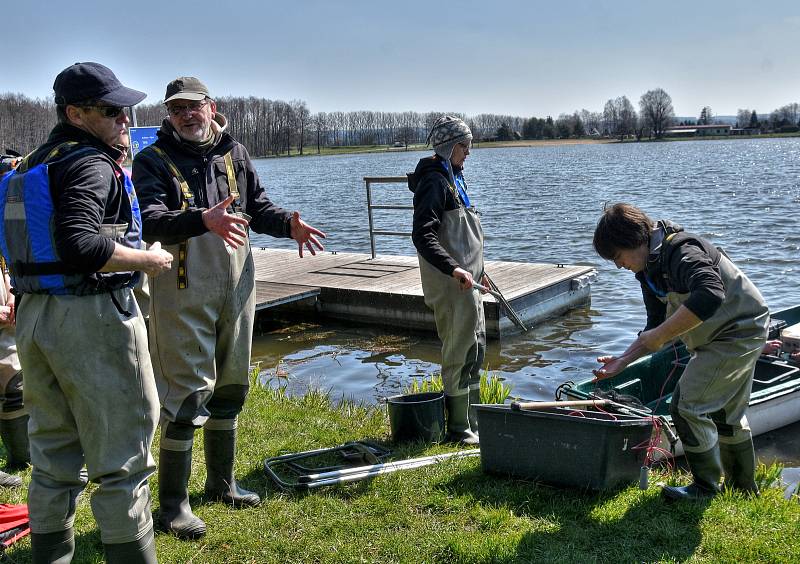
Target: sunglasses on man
107,111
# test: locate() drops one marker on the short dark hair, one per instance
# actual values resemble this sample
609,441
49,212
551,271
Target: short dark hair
61,109
621,227
61,114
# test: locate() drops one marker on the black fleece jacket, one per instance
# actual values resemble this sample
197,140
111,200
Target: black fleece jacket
433,196
87,190
687,264
160,197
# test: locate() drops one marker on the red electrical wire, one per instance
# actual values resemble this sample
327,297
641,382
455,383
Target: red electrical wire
652,445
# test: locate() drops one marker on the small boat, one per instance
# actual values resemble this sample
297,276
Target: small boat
774,400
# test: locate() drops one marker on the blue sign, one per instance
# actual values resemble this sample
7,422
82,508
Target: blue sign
141,137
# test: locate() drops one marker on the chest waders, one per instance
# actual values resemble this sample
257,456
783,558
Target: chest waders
201,329
89,386
459,315
710,400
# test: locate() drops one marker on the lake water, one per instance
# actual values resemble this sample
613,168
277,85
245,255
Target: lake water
538,204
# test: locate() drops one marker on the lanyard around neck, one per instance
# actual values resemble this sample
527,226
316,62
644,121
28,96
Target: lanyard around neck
459,182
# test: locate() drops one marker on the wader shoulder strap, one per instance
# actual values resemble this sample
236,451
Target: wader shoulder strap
57,151
232,186
187,198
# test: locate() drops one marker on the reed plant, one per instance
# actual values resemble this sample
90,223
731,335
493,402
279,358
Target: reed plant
431,383
493,388
768,475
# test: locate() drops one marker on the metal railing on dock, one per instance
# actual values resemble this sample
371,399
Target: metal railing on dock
369,181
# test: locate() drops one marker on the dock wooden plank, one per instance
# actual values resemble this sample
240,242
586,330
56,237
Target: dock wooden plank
270,294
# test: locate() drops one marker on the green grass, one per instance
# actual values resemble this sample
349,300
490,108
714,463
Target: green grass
450,512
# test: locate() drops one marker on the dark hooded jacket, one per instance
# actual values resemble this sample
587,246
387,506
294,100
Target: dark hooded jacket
433,195
205,172
685,264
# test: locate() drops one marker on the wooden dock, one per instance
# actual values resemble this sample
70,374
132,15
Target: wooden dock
387,289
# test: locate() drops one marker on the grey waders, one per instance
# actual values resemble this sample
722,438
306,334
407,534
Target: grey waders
706,468
220,449
174,468
53,548
739,464
142,551
459,319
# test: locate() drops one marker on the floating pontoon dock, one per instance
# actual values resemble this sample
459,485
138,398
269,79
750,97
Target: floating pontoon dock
387,289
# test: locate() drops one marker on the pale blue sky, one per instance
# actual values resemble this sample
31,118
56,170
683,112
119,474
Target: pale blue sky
508,57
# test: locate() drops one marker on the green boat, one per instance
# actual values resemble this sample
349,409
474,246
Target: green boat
774,401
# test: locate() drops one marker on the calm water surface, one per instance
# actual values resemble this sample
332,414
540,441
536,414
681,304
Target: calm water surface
538,204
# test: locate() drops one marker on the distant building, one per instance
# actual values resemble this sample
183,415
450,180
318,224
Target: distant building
745,131
697,130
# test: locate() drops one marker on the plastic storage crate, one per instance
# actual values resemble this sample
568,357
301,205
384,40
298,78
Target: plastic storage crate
562,446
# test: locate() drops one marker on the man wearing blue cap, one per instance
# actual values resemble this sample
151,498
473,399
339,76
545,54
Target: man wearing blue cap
71,234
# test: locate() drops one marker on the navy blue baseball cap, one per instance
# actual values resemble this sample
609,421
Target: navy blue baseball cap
83,82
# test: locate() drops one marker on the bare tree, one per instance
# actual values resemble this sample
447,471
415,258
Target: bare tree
619,117
743,117
656,108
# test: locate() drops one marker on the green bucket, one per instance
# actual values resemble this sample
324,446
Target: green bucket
417,417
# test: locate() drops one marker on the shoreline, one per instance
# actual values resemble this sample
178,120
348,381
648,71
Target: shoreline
359,149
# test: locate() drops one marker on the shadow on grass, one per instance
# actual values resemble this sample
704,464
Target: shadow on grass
584,526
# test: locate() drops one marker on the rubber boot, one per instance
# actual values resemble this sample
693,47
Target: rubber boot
458,430
9,480
739,464
53,548
220,449
175,515
142,551
706,468
14,433
474,398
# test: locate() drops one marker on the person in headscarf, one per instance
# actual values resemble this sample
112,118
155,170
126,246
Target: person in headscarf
448,237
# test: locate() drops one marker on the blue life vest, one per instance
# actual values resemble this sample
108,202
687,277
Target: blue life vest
27,240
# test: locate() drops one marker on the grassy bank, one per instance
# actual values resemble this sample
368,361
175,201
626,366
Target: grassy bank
451,512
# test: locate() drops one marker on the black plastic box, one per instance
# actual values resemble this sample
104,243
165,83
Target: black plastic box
562,446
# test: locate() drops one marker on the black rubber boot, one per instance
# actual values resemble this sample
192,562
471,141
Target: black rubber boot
220,449
739,464
474,398
53,548
142,551
175,515
458,429
14,433
706,469
9,480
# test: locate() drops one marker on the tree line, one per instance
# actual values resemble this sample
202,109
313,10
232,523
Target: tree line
276,127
